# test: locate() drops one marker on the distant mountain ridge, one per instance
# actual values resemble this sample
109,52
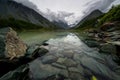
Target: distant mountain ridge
61,24
111,17
12,13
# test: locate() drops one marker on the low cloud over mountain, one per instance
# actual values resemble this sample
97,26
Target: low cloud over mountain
71,11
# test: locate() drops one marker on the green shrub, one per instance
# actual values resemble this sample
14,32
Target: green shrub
112,15
18,24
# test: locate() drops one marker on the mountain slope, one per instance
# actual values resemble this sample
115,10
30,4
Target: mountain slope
19,16
93,15
111,19
61,24
112,15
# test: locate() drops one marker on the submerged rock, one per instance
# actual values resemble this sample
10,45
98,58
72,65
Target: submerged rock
117,45
20,73
7,65
12,47
108,48
39,52
83,63
10,44
92,43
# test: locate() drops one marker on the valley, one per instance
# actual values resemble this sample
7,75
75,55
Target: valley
32,47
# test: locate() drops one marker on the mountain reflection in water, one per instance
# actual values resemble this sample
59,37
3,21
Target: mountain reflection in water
69,56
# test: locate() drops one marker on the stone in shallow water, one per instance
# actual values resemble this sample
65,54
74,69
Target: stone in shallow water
84,63
39,52
67,62
73,69
108,48
31,49
80,69
61,60
59,55
48,59
41,71
56,77
11,44
64,72
92,43
20,73
59,65
77,57
75,76
68,53
99,68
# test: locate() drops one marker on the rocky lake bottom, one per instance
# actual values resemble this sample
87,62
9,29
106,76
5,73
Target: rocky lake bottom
62,56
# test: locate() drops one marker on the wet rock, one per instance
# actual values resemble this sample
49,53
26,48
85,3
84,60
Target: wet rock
64,72
7,65
20,73
116,37
107,26
39,52
117,44
61,60
56,77
118,50
108,48
117,70
39,71
59,65
31,49
73,69
10,44
69,63
80,69
66,61
76,76
82,64
68,53
59,55
102,35
48,59
92,43
44,43
16,62
91,34
99,68
77,57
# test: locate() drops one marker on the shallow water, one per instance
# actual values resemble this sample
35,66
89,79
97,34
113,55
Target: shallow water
37,37
67,50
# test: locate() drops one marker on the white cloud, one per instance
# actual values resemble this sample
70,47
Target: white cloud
70,11
29,4
59,16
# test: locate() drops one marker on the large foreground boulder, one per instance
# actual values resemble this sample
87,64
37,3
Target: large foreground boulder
10,44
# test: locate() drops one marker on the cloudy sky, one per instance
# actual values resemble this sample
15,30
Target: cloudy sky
68,11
